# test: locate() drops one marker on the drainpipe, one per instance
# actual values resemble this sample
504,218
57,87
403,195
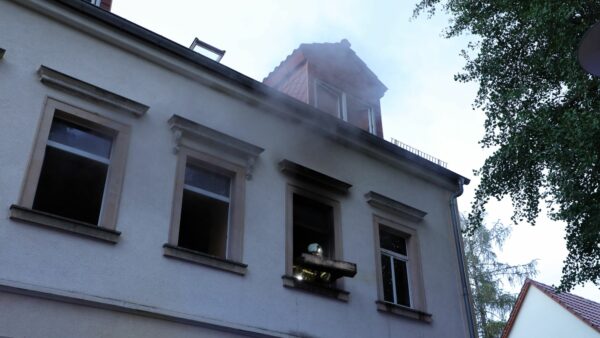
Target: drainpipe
461,257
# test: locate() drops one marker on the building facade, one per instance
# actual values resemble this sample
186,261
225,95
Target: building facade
150,191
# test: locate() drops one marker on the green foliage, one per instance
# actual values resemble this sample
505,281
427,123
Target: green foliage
487,277
542,115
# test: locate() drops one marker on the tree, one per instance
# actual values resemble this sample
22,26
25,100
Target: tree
487,276
542,115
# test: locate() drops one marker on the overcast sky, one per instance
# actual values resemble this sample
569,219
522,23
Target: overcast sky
423,107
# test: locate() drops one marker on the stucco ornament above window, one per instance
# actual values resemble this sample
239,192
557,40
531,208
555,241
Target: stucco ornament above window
195,136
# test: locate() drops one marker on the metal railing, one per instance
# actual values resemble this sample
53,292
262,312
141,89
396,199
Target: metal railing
419,153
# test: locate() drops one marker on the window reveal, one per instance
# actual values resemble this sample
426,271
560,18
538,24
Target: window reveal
74,172
345,107
204,222
329,100
394,269
313,225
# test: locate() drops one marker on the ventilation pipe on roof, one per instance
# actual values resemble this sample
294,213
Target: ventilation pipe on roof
466,293
207,50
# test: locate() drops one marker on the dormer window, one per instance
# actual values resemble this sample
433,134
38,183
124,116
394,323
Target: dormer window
344,106
360,114
329,99
331,77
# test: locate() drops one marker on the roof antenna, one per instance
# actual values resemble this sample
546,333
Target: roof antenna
207,50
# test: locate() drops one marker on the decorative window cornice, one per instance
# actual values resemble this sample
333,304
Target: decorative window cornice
195,136
70,84
312,176
397,208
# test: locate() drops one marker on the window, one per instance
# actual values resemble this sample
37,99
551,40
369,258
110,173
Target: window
74,172
344,106
401,289
313,224
360,114
74,179
204,222
207,220
394,271
329,99
313,232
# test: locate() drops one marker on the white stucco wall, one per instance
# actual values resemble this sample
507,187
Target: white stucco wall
134,270
540,316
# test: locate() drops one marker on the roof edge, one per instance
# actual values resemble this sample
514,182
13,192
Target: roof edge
307,112
516,308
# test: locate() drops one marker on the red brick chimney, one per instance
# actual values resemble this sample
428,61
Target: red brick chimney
331,77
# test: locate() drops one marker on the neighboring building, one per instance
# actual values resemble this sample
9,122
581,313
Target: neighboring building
541,311
149,191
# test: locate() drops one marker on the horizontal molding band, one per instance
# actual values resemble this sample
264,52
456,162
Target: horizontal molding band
110,304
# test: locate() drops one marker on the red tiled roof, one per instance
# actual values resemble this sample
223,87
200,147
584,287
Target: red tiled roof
324,53
584,309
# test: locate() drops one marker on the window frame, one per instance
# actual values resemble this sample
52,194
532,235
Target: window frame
319,197
340,94
120,134
343,104
209,148
416,287
336,290
235,231
392,255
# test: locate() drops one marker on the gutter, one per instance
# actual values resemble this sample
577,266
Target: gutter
460,254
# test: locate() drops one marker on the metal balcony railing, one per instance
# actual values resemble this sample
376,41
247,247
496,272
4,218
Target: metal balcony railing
419,153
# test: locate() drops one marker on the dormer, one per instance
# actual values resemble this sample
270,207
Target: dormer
331,77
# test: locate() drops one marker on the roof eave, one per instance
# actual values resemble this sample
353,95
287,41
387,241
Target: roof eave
257,87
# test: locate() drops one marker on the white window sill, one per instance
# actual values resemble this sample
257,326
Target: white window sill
52,221
197,257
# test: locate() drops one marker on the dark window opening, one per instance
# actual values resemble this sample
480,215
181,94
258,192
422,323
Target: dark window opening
73,173
313,223
394,269
204,219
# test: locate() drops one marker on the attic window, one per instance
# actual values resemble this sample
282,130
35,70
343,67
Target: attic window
344,106
360,114
329,99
